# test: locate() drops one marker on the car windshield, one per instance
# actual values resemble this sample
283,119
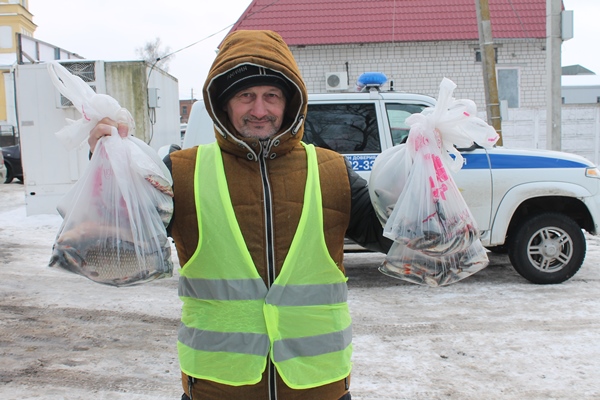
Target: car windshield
345,128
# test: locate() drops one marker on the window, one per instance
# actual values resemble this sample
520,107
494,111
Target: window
345,128
397,114
508,86
478,55
6,37
184,110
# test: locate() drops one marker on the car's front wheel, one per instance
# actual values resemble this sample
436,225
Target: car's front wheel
547,248
9,174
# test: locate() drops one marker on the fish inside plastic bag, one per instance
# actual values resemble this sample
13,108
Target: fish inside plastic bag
418,267
436,241
115,215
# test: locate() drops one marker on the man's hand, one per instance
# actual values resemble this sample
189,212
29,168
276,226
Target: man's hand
104,128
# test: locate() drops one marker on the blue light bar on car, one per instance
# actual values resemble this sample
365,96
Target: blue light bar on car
371,79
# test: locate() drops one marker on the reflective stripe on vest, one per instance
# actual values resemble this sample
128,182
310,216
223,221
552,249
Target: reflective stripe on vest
230,318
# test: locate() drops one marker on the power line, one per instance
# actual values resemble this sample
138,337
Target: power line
216,33
152,112
523,28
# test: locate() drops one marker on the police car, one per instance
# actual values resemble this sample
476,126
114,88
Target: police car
533,205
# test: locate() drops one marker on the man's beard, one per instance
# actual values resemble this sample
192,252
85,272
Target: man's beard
269,129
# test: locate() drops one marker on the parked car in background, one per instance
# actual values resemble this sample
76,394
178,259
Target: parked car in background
2,168
12,162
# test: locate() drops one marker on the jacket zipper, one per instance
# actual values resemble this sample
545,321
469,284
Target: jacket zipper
270,246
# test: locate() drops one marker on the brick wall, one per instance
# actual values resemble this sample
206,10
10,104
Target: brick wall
420,66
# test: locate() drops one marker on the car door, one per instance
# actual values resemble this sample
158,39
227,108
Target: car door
474,181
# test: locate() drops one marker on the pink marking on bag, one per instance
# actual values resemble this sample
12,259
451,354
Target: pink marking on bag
437,192
84,114
441,191
420,142
429,217
440,171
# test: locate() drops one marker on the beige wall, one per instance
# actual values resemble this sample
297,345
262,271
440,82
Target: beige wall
14,18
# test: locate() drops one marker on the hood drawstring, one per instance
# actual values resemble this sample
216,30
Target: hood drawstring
297,125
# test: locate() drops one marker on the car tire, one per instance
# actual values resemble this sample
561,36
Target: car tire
9,174
547,248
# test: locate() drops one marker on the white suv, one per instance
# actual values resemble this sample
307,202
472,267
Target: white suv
532,204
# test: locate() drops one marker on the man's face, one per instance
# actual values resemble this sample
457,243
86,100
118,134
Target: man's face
257,112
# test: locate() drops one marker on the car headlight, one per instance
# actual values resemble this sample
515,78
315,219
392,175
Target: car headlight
592,172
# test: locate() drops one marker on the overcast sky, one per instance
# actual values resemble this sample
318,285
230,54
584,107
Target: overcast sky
111,30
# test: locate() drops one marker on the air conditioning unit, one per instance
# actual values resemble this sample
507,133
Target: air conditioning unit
91,72
336,80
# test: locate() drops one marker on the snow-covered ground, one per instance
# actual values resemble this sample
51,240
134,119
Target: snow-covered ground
490,336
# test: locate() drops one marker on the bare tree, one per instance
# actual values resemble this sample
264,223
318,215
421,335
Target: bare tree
154,54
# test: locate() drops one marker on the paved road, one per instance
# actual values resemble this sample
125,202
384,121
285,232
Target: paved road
492,335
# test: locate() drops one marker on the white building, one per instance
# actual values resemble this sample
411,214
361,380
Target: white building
416,44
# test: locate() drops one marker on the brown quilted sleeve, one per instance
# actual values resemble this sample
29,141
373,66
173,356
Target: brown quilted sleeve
184,228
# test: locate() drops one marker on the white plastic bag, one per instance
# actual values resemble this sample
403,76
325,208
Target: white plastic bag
417,267
430,215
388,177
91,105
457,123
435,234
115,215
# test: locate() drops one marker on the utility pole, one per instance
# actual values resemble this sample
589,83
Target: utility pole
553,74
488,61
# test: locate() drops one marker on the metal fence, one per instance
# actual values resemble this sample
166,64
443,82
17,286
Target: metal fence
580,133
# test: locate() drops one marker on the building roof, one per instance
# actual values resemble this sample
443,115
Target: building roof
321,22
576,70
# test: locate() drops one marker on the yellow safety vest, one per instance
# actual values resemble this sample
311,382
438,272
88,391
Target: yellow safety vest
231,321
